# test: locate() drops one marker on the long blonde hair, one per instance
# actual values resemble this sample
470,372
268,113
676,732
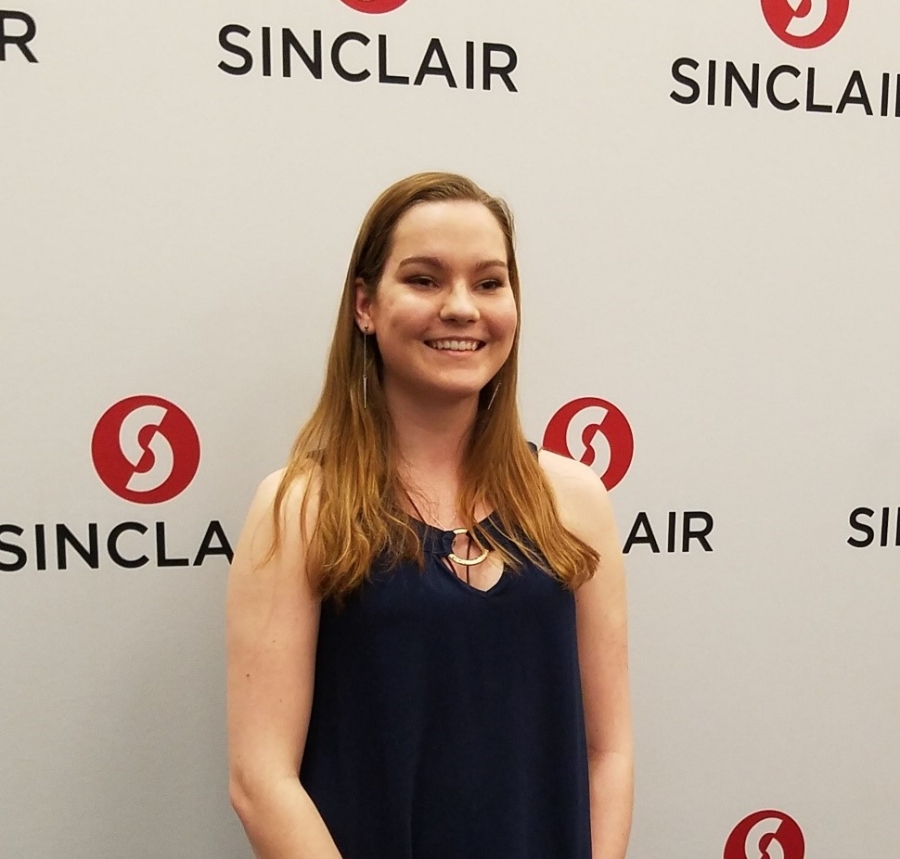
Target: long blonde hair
349,445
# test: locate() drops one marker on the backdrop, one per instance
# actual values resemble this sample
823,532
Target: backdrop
706,196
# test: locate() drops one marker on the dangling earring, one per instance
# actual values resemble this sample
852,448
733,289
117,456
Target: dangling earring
494,395
365,379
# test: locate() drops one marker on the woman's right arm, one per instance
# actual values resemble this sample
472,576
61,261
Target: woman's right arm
272,626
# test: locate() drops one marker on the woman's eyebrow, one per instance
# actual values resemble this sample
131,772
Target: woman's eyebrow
434,262
491,263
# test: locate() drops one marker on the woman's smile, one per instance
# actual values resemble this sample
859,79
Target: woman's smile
455,345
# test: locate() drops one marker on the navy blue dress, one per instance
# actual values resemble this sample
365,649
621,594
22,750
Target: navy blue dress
447,722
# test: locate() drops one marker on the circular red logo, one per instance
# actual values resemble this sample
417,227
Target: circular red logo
145,449
374,7
766,835
806,23
575,429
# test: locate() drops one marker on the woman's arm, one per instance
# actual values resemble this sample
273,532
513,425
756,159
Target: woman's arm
602,652
272,625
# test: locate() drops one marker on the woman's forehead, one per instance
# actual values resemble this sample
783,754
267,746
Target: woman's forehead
462,228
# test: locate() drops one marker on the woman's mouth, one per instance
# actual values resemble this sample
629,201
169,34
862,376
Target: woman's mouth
455,345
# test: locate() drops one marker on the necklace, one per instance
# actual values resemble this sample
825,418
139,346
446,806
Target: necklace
465,562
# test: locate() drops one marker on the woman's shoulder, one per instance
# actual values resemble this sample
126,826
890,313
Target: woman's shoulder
290,488
288,499
568,475
580,495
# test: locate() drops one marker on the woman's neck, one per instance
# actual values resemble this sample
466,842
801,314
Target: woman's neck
431,438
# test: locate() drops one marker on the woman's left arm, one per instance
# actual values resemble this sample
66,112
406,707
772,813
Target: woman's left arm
603,654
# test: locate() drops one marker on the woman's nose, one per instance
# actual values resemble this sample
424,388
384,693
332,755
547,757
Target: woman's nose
459,303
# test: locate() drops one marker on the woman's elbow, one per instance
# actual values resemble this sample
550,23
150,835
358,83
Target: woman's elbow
245,792
239,795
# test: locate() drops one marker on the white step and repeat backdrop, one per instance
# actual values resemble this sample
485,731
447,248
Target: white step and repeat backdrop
707,198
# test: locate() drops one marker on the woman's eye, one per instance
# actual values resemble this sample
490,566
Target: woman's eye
490,284
420,280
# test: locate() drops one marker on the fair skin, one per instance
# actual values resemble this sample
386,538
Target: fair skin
445,284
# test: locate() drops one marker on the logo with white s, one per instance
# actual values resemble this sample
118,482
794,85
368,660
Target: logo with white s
594,432
766,835
145,449
806,23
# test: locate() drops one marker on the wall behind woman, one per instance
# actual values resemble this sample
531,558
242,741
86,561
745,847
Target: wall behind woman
706,197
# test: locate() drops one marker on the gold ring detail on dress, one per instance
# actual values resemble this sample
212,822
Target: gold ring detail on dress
467,562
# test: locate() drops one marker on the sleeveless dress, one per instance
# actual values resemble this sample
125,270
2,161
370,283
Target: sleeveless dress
447,721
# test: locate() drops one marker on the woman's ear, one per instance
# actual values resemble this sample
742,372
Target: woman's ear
363,306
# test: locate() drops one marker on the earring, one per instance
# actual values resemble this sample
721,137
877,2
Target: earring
365,378
494,395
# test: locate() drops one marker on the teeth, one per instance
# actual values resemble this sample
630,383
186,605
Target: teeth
456,345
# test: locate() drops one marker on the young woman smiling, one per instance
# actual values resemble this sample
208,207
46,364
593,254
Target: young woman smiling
426,614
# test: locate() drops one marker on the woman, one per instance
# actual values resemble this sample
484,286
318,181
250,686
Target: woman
426,616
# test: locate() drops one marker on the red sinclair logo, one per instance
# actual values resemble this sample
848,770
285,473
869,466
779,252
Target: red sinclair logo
766,835
145,449
806,23
374,7
594,432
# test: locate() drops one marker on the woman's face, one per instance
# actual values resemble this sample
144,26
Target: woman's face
443,312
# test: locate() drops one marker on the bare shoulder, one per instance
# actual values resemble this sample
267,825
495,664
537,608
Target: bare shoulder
581,497
269,580
569,475
259,528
